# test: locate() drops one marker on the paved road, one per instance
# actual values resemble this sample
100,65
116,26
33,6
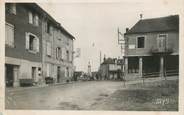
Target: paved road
75,96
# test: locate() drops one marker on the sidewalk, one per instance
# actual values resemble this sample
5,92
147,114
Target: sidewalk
34,87
141,80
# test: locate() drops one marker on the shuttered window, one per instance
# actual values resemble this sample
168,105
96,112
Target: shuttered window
63,53
48,66
32,42
9,37
30,17
33,18
48,49
36,20
58,53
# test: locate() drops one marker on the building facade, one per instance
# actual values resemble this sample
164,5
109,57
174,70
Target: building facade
152,47
111,69
27,47
57,51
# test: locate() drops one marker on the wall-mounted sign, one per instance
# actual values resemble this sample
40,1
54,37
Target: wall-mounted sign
131,46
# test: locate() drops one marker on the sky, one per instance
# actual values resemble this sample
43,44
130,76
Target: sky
94,24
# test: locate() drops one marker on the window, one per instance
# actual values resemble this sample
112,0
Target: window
58,53
32,42
48,28
33,18
9,37
140,42
48,49
67,55
11,8
30,17
161,41
36,20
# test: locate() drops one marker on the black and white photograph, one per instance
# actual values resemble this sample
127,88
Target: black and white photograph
92,55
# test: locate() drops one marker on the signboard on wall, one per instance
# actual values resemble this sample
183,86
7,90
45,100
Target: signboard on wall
131,46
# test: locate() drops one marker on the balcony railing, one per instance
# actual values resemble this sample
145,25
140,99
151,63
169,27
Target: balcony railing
161,50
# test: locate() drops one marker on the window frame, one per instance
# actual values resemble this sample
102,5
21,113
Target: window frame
35,47
33,18
166,39
58,53
142,36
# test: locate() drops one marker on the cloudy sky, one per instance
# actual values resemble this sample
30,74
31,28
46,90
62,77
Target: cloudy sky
94,24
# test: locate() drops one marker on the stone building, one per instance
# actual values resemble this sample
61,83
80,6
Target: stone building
111,69
34,46
57,51
152,47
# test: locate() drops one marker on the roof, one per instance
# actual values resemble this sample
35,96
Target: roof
42,12
112,61
108,61
162,24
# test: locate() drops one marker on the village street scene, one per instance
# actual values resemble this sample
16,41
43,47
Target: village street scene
92,56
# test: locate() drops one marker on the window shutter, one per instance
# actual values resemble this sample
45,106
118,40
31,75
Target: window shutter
9,34
65,72
63,53
57,53
49,48
6,34
60,53
70,56
37,44
30,17
36,20
48,70
27,40
14,8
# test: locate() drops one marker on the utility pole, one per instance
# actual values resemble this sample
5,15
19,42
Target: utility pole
121,42
100,57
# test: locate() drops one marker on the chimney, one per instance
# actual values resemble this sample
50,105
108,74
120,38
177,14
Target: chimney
141,16
104,58
127,29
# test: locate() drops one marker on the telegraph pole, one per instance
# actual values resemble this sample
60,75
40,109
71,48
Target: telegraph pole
121,42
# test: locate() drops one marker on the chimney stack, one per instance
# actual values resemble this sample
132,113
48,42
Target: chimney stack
104,57
141,16
127,29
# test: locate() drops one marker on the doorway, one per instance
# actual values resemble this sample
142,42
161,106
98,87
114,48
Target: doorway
58,74
9,77
33,73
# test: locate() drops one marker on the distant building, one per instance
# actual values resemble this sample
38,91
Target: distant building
89,69
111,68
152,46
34,45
